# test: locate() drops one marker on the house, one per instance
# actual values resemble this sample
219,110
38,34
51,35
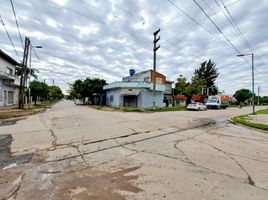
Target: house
198,98
136,90
168,94
180,100
9,82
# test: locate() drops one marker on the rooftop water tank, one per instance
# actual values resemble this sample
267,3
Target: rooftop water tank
132,72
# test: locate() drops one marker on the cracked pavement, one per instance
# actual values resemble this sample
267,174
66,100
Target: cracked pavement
74,152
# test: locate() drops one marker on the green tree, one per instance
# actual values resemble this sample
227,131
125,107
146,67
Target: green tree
86,88
264,100
77,89
39,89
196,86
242,95
54,93
208,72
181,85
29,72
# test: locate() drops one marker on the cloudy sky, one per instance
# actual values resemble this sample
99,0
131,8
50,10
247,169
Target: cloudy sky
105,38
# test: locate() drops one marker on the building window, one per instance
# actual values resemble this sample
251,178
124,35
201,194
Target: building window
111,98
147,79
9,71
159,80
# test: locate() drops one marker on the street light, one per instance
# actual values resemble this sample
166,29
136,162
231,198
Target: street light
31,47
252,66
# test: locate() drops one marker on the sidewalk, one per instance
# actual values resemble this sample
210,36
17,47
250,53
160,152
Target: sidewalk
259,118
5,108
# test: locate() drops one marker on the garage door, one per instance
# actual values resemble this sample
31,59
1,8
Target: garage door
130,101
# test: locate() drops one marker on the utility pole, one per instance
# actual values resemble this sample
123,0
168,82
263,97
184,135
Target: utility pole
23,72
252,68
259,89
154,63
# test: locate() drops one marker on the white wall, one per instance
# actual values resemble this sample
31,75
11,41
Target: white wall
3,87
1,93
145,99
139,77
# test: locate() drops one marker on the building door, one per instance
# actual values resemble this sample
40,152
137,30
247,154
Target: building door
5,97
10,95
130,101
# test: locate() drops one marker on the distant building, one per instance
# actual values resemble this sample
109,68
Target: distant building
9,82
136,90
180,100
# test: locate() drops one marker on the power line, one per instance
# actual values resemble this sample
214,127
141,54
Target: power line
227,39
36,55
103,11
77,12
17,24
242,36
190,17
126,11
237,29
235,25
8,36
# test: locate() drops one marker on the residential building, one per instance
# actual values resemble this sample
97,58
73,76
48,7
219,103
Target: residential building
168,94
136,90
9,82
180,100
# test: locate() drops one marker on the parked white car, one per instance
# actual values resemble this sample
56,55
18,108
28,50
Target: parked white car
79,101
196,106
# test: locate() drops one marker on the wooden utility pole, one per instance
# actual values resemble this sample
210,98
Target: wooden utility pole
23,72
154,63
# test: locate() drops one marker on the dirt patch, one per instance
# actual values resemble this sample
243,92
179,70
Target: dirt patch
92,186
53,182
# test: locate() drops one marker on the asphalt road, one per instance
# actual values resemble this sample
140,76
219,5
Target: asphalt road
74,152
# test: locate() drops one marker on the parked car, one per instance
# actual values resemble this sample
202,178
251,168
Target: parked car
196,106
79,101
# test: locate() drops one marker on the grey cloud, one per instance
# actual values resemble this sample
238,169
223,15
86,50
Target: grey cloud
105,38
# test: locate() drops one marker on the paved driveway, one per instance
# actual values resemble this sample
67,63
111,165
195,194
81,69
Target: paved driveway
73,152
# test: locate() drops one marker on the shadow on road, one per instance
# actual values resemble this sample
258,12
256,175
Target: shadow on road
6,158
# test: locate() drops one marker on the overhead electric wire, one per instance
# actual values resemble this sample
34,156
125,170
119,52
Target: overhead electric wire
101,22
190,17
242,36
126,11
103,11
235,25
37,56
77,12
227,39
8,35
17,24
237,29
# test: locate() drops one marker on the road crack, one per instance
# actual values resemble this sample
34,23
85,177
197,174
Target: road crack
54,141
250,180
80,153
14,193
127,143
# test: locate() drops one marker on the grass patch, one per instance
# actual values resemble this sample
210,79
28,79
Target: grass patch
245,120
265,111
179,108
